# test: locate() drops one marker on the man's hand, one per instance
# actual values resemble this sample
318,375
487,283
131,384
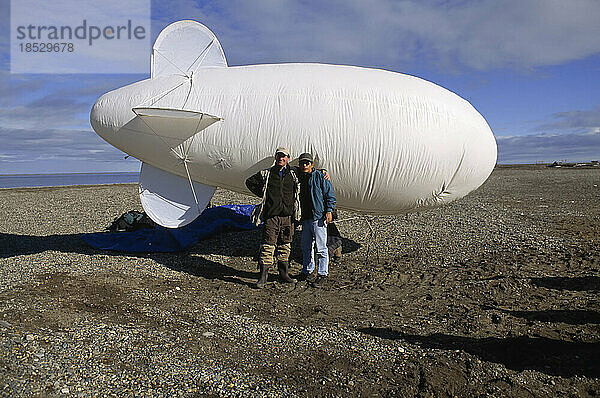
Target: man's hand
326,175
328,217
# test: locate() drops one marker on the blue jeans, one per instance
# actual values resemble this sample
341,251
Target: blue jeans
314,232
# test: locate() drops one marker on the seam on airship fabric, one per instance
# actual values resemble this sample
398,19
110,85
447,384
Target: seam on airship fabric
373,176
457,168
349,99
439,196
162,94
270,94
432,111
229,151
169,61
188,94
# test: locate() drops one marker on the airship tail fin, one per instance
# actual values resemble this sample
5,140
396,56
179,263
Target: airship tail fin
170,200
183,47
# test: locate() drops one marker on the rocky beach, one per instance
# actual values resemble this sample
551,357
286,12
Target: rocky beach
496,294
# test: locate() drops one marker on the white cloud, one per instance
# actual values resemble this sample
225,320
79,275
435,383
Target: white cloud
33,145
14,86
477,34
60,114
571,135
517,33
52,151
548,148
582,121
5,157
52,101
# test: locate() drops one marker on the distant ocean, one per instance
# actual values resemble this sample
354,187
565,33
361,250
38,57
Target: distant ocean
53,180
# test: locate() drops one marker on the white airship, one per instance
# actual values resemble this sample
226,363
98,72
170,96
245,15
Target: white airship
392,143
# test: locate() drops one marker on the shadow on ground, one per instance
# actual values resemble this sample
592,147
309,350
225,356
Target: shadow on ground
235,244
562,283
549,356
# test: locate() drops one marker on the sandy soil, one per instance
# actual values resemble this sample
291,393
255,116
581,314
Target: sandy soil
494,295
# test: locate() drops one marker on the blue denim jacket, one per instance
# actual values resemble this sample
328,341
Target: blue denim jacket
321,193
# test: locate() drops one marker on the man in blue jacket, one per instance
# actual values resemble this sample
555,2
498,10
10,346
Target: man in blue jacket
317,201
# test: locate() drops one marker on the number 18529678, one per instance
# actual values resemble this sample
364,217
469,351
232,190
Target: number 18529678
46,47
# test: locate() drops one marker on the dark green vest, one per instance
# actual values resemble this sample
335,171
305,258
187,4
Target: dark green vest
280,194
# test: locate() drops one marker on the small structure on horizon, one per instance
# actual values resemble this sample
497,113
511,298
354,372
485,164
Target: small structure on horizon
593,163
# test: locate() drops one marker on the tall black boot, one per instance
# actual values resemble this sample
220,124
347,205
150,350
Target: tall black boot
264,274
283,267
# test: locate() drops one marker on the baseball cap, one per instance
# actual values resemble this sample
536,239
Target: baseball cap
283,150
306,156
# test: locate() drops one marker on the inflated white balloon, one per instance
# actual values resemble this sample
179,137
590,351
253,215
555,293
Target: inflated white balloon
392,143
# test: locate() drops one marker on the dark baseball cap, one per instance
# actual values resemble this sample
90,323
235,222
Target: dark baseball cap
306,156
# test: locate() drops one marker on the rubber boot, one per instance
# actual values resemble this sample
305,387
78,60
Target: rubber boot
283,267
264,274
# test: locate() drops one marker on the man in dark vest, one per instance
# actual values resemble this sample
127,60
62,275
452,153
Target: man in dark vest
279,188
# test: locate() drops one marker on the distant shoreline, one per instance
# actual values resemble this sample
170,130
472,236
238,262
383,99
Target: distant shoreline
66,179
68,174
545,165
49,187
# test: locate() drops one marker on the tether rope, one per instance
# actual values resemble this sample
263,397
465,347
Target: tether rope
202,54
169,61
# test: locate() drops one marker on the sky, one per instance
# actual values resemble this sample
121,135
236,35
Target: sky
530,67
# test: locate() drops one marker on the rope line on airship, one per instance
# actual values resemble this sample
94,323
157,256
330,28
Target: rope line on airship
163,94
191,78
185,162
202,54
159,136
169,61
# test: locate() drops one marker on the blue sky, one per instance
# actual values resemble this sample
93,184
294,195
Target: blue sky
531,67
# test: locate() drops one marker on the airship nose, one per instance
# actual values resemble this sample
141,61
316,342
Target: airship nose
99,118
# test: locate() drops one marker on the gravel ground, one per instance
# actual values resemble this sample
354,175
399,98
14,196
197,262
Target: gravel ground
493,295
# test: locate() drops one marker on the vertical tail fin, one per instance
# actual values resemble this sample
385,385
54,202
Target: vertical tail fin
184,46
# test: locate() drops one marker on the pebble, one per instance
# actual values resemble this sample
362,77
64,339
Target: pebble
208,334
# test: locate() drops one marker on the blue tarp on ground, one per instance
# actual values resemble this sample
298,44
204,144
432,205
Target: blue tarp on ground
211,222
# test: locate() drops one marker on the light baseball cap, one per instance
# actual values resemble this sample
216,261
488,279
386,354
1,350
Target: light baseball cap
283,150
